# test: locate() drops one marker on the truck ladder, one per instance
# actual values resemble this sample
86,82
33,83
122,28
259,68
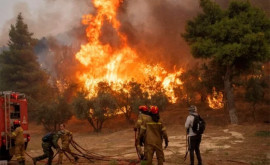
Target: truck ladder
7,118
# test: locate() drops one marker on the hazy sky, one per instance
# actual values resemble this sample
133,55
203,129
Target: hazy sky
43,17
8,9
51,17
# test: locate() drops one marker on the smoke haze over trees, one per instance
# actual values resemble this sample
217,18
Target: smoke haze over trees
153,27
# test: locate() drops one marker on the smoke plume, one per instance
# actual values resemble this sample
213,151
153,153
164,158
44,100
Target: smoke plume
153,29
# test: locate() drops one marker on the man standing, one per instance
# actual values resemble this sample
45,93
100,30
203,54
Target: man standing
48,141
193,138
143,117
66,137
17,135
154,132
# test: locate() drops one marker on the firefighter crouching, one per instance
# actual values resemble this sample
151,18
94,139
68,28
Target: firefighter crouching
66,137
48,141
19,148
154,132
144,116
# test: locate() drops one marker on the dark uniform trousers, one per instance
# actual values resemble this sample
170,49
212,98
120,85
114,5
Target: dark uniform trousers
48,152
194,145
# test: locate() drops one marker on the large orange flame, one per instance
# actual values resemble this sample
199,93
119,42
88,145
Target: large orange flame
215,100
117,65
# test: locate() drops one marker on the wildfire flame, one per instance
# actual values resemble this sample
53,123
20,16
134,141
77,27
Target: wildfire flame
103,62
215,100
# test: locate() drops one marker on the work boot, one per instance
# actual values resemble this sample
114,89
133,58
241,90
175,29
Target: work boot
34,161
76,159
142,156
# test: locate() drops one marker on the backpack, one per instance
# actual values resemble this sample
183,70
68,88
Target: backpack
198,125
48,137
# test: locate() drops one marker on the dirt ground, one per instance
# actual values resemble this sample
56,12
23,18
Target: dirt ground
222,144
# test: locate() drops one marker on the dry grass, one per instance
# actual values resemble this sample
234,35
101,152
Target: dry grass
222,144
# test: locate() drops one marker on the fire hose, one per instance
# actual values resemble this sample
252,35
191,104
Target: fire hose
91,156
94,156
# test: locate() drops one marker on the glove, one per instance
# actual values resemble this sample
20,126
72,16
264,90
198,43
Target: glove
70,137
136,142
135,129
166,144
142,156
141,141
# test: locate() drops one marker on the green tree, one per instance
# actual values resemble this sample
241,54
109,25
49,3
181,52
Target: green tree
19,69
192,85
234,38
96,110
255,91
52,114
212,76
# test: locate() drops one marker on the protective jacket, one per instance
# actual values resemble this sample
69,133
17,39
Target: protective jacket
18,136
19,149
142,118
65,136
154,133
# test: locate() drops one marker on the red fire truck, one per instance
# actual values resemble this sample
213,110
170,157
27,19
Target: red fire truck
13,106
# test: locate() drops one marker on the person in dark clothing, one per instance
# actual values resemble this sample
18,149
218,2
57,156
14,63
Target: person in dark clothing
193,138
48,141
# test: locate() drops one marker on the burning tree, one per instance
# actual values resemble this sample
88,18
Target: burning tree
116,63
130,97
97,109
234,38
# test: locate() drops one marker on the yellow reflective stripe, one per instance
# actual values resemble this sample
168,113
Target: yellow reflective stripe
143,127
153,123
139,121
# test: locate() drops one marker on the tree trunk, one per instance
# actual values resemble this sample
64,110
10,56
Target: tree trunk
55,125
128,115
230,96
253,112
92,124
100,126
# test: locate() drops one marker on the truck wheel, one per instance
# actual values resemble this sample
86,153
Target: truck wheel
4,154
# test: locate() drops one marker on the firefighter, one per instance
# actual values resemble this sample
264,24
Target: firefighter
66,137
48,141
154,132
19,148
143,117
